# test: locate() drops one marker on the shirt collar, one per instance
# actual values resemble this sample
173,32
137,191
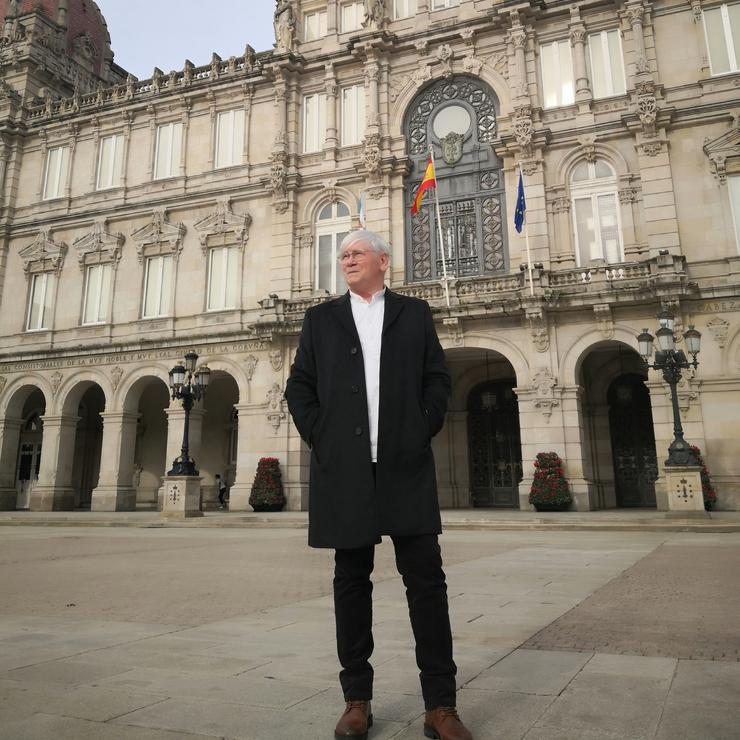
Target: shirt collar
379,295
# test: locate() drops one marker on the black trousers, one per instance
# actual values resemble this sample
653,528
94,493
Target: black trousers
419,561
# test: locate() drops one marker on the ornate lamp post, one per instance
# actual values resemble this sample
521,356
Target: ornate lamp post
188,385
671,361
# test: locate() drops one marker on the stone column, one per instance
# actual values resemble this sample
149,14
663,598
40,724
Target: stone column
452,458
331,141
54,491
372,76
10,433
578,42
635,12
115,490
175,428
241,486
519,39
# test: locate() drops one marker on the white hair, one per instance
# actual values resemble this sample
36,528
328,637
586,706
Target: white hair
373,240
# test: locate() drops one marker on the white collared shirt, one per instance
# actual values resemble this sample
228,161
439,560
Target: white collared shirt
369,323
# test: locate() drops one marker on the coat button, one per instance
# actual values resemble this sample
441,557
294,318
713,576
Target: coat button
353,351
358,431
355,389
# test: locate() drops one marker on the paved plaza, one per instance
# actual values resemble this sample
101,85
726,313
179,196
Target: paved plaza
143,633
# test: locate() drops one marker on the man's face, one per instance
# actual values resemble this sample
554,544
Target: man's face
363,267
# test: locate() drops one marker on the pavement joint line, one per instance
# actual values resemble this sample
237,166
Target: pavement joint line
160,700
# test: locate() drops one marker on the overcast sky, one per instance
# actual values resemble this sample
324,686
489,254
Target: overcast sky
164,33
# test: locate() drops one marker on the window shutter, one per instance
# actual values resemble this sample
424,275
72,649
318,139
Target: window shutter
588,248
231,278
609,228
326,258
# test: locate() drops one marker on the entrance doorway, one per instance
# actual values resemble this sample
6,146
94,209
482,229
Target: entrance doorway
495,450
632,441
29,460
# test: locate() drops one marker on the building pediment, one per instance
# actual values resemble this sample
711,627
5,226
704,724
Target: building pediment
98,246
43,254
159,233
724,147
224,221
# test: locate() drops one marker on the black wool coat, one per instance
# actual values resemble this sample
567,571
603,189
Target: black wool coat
348,506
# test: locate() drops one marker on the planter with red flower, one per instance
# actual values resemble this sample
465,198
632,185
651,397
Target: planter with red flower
267,489
549,491
710,495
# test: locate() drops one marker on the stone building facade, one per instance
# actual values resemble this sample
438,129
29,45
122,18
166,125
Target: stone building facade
202,208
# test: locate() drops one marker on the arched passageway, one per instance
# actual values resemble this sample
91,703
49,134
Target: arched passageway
88,446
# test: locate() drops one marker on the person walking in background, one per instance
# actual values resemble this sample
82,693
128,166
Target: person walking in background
367,391
221,483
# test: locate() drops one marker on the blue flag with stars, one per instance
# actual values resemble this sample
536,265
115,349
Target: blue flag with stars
521,206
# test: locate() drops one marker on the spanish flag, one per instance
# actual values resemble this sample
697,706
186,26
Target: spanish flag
428,181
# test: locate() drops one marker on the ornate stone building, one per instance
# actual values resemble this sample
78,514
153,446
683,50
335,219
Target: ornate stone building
203,208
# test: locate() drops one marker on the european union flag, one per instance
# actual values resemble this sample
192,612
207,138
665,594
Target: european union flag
521,206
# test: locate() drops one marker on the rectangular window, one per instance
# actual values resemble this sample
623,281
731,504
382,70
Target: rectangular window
168,150
733,187
607,69
157,286
722,27
403,9
55,177
597,228
439,4
557,74
229,138
222,278
97,294
314,122
353,115
40,300
352,15
110,162
315,25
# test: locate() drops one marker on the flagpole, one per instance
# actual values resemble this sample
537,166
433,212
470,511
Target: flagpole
439,226
526,240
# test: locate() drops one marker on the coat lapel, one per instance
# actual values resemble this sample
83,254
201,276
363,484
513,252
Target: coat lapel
343,312
393,306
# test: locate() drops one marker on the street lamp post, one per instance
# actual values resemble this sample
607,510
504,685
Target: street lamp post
671,361
187,384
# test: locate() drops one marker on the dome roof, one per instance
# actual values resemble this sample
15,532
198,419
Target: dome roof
87,36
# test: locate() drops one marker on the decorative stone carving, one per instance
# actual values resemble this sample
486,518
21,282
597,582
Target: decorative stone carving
647,111
375,14
627,195
718,150
279,177
538,327
56,381
222,221
588,147
250,363
43,253
116,374
604,320
371,156
159,233
276,359
687,391
718,328
544,384
452,147
455,331
651,148
445,56
98,244
696,10
523,129
284,23
3,382
275,407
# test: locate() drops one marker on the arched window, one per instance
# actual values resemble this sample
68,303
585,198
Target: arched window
456,117
332,225
598,233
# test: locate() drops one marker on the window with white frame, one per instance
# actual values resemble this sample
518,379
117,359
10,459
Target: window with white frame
229,138
403,9
332,225
733,188
157,286
314,122
40,301
439,4
607,67
352,15
315,25
57,167
222,278
168,150
98,280
722,28
598,233
110,162
557,74
353,115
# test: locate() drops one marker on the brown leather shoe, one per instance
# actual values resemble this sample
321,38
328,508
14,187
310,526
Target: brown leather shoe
443,723
355,721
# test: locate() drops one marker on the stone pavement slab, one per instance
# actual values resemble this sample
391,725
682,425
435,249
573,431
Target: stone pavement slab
250,653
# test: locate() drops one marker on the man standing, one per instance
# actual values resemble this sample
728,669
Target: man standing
368,391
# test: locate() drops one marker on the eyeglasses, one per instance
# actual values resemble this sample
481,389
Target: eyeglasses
355,254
